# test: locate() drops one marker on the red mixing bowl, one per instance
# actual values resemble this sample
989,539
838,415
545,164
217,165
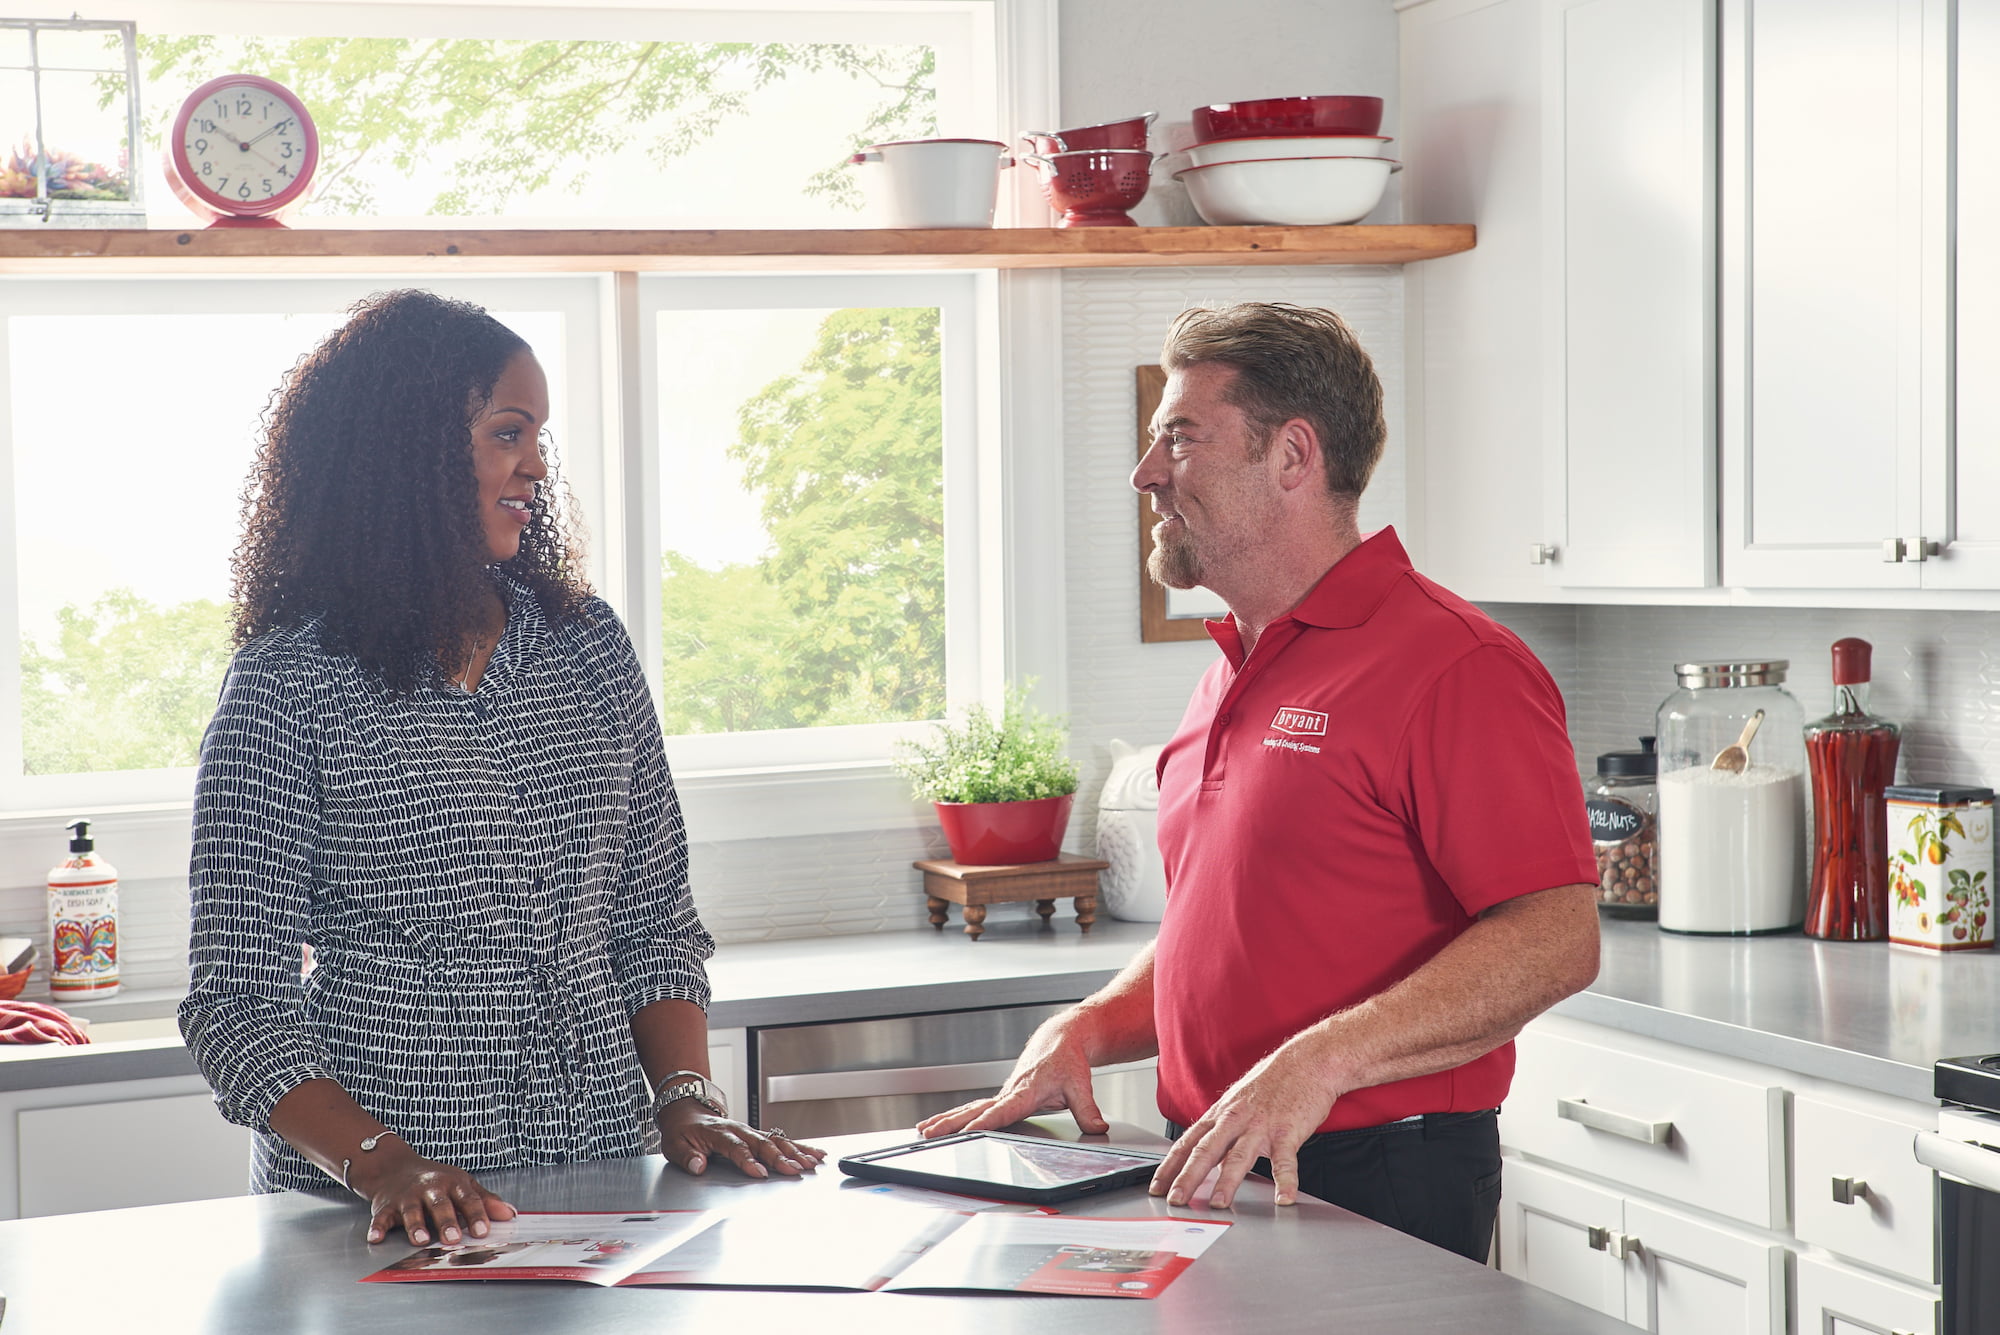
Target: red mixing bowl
1282,116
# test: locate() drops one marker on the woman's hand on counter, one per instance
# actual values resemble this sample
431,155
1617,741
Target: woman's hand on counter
422,1197
691,1137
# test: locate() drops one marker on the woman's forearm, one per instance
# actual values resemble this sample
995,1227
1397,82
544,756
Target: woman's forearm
324,1123
671,1036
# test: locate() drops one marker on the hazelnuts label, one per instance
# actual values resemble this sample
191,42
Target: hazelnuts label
1613,822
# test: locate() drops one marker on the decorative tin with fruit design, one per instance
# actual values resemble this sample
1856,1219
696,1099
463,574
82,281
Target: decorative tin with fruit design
1940,866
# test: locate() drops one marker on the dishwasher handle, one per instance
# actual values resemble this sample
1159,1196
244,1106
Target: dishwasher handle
904,1080
1972,1163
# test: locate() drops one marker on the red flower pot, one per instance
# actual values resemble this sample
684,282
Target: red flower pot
1005,834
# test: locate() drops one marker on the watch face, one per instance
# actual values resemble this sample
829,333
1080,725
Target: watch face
245,145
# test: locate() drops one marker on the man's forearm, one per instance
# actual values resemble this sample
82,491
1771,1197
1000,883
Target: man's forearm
1516,961
1115,1023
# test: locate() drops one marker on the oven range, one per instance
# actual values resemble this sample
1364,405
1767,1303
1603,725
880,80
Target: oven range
1965,1151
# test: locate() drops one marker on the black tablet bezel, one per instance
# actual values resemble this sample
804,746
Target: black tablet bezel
866,1165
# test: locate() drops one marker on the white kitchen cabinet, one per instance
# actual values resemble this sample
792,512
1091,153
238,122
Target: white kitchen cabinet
1836,430
1965,511
1651,1267
1563,1235
123,1143
728,1068
1476,389
1685,1276
1670,1141
1560,386
1833,1300
1629,234
1130,1093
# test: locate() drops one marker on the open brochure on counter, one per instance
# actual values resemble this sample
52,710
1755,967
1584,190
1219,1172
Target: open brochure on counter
866,1239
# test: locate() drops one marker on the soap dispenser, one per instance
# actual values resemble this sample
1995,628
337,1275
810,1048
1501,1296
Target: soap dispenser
83,922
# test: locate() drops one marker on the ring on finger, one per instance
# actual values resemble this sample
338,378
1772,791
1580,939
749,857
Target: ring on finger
777,1134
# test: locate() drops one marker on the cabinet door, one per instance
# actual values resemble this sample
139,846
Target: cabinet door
1687,1277
1832,288
1834,1300
107,1156
1559,1234
1859,1191
1130,1093
1472,142
1966,519
727,1068
1629,170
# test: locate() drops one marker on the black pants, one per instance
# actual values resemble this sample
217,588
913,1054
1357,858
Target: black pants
1436,1178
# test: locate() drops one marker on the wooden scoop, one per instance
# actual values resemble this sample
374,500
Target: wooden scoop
1735,758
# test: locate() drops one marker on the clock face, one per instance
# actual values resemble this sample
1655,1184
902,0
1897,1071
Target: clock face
244,145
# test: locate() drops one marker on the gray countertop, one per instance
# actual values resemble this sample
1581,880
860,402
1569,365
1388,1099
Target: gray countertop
289,1264
1865,1014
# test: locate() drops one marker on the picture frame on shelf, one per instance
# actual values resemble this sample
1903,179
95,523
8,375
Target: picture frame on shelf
1165,615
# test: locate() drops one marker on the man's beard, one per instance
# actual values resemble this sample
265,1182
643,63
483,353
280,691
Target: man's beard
1174,561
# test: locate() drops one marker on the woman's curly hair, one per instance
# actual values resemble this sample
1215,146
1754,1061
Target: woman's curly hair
362,507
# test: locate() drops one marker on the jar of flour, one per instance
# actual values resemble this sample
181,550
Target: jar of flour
1732,843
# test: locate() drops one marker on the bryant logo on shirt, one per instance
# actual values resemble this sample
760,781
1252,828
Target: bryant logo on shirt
1299,723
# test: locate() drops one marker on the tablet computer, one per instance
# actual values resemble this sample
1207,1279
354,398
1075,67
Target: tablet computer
998,1166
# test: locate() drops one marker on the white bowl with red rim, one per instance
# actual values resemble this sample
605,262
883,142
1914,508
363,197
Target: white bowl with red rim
1288,192
1299,146
934,182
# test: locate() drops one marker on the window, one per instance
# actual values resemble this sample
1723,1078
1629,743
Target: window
807,443
131,406
69,117
132,415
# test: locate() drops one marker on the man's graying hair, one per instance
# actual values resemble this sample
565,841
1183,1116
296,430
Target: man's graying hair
1292,361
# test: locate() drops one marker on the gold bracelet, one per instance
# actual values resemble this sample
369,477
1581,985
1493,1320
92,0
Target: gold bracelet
367,1143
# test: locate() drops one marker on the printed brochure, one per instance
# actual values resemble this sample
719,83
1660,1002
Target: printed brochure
601,1248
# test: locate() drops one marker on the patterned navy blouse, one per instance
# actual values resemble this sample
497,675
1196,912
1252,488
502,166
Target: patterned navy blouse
491,882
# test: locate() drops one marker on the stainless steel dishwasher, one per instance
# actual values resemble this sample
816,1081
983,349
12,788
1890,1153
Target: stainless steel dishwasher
890,1073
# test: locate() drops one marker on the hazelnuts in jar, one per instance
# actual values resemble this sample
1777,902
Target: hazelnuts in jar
1624,828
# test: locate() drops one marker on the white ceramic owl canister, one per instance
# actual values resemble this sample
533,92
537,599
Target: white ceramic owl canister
1134,886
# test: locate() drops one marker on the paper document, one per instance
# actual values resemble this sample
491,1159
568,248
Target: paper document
1099,1258
599,1248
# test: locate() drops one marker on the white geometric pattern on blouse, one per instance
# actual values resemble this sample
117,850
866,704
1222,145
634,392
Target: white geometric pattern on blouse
491,882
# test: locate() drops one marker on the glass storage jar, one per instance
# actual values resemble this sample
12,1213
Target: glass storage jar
1624,830
1732,845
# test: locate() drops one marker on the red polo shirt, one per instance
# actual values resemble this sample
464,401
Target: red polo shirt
1387,764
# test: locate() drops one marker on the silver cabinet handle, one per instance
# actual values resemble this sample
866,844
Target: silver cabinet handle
1847,1190
1892,550
1620,1245
1541,554
1972,1163
1616,1124
903,1080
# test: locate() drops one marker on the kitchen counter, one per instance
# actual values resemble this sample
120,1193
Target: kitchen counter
1859,1013
290,1263
825,978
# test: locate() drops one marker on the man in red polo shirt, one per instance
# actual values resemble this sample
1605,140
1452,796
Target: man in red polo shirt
1378,864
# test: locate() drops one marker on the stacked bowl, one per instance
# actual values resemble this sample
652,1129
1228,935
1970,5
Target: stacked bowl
1094,173
1294,161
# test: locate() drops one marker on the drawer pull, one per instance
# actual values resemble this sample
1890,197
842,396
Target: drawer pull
1848,1190
1620,1245
1617,1124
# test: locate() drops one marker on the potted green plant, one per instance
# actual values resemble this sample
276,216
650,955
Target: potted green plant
1002,787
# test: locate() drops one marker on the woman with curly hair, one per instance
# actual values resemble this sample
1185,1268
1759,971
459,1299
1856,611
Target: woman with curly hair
436,763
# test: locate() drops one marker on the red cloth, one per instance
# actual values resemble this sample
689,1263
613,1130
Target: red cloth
1388,764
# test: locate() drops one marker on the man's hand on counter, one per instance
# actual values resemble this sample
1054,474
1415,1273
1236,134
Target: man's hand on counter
1269,1113
691,1137
1053,1073
405,1190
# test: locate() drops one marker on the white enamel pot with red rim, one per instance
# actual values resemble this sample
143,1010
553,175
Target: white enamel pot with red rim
935,182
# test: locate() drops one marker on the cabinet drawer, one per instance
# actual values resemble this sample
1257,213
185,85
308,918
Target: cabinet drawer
1685,1129
1888,1222
1834,1300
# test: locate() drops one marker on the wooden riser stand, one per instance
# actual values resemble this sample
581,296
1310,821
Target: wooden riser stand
1069,876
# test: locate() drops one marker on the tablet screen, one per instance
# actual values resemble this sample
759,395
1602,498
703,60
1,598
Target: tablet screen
1017,1163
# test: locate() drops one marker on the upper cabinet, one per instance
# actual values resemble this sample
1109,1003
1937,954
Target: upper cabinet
1835,290
1740,332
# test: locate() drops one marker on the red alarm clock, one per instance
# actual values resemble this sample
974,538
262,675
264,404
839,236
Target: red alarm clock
242,151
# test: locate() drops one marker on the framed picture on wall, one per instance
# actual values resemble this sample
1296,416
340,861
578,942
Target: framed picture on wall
1164,614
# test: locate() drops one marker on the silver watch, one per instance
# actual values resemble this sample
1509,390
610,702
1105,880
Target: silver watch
690,1085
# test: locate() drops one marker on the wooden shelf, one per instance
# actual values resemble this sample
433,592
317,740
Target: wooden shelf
27,250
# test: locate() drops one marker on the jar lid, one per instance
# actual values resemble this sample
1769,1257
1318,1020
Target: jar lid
1937,795
1630,764
1732,672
